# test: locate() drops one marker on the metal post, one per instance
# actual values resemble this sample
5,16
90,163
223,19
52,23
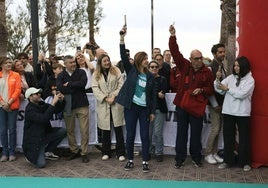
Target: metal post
35,31
152,26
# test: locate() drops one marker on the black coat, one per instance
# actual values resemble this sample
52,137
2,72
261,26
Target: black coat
76,87
214,68
161,85
36,126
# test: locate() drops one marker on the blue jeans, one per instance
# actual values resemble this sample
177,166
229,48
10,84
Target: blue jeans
196,125
132,116
52,140
8,131
156,133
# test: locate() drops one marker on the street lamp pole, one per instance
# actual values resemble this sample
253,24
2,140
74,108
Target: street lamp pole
152,26
35,31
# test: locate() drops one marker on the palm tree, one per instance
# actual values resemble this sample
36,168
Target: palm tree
3,29
94,16
228,37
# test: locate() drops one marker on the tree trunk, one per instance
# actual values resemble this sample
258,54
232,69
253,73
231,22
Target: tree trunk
3,29
91,17
51,21
228,31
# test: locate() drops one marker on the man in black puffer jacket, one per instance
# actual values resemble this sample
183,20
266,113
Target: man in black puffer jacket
40,139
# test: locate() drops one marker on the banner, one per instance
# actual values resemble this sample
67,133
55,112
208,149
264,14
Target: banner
170,127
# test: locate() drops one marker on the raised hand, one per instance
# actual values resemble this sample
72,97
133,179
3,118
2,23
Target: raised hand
172,30
218,73
123,31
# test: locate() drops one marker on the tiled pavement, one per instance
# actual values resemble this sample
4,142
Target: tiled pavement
112,168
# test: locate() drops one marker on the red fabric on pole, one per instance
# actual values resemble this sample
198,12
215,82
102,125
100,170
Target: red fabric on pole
252,41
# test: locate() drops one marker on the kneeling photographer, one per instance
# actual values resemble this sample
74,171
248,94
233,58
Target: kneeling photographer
40,139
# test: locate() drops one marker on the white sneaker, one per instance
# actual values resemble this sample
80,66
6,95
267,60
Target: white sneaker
4,158
122,158
105,157
51,156
12,158
218,158
223,166
246,168
210,159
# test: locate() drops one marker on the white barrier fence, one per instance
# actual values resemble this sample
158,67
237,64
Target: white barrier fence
170,127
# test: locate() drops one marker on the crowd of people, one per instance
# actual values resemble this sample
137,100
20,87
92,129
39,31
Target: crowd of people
130,92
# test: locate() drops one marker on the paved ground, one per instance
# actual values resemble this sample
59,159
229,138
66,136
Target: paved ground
112,168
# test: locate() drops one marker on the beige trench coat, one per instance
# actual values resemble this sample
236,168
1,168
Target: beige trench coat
102,89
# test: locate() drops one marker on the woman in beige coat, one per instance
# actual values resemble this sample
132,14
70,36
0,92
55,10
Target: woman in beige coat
106,83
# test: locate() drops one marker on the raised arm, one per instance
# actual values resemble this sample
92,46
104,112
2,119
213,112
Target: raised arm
124,57
174,49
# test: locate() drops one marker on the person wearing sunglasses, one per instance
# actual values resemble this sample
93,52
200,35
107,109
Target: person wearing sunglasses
156,126
195,80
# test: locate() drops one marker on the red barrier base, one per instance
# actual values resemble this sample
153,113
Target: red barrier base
259,140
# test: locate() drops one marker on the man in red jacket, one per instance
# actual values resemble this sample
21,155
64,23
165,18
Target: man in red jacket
198,79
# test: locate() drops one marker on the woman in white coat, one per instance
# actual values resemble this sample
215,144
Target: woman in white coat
238,89
106,83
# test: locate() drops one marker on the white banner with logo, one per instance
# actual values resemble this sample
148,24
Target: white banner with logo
170,127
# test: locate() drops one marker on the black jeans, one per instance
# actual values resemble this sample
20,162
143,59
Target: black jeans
106,140
229,134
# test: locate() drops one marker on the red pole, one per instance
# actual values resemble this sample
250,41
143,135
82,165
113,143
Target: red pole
252,41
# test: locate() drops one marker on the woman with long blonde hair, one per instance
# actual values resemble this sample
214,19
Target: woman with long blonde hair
106,83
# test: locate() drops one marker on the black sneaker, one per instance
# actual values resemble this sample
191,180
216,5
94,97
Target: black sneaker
145,167
129,166
85,159
74,155
197,163
159,158
179,163
51,156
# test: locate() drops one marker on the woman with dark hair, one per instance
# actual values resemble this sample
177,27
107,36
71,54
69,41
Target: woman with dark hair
106,83
238,89
138,96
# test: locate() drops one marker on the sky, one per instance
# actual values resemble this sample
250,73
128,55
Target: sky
197,24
